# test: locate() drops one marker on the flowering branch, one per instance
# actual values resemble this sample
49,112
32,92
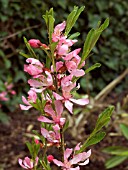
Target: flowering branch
53,83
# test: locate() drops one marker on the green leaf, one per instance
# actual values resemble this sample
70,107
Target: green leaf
51,21
32,53
93,140
114,161
97,135
124,129
29,145
74,35
71,19
97,65
92,38
24,55
65,126
116,150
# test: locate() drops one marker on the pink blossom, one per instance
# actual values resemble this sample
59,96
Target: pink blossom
3,96
52,136
80,159
34,68
55,115
32,96
42,82
28,163
58,31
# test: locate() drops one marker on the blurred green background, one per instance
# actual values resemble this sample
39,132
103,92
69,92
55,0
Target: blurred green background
24,18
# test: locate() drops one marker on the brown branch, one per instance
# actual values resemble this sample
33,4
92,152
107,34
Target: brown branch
110,86
18,32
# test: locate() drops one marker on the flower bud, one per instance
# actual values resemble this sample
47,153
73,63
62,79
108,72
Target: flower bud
50,158
34,43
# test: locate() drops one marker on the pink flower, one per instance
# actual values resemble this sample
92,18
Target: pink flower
42,82
34,68
31,99
52,136
58,31
28,163
3,96
55,115
80,159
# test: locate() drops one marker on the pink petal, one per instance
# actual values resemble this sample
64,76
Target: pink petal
58,107
57,96
77,147
81,102
44,119
58,163
35,83
63,50
78,73
77,158
25,100
34,61
22,107
48,109
21,163
67,153
62,121
44,132
60,27
72,54
68,105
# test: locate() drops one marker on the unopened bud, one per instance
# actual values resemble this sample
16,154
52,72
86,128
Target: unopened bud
50,158
34,43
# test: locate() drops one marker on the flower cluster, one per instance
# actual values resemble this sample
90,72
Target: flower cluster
52,87
8,91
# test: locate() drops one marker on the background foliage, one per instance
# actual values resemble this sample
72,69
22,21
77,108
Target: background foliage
20,18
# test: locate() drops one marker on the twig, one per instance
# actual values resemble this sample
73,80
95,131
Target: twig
18,32
110,86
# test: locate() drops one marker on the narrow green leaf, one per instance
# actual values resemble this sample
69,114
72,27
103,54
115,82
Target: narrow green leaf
124,129
97,65
72,17
94,139
24,55
105,114
51,21
74,35
92,38
65,126
29,145
116,150
114,161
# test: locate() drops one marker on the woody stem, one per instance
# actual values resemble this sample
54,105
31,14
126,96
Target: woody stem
62,143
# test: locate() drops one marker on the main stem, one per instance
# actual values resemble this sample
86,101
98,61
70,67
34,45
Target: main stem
62,143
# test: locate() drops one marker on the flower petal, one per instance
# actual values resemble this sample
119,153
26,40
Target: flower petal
58,163
80,101
68,105
22,107
67,153
44,119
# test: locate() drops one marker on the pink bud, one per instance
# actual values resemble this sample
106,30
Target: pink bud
36,141
34,43
50,158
